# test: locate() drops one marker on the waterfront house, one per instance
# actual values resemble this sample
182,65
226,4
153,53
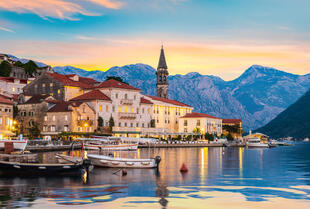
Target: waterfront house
6,116
69,117
232,126
13,86
200,122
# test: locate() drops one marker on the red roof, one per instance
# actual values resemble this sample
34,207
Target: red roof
5,100
145,101
11,80
83,79
60,107
67,81
116,84
92,95
198,115
36,99
232,121
174,102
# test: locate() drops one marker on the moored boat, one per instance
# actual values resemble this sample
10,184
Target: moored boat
42,169
17,144
111,162
256,143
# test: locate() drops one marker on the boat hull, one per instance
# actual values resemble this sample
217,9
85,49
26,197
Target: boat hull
28,169
18,144
121,147
257,145
110,162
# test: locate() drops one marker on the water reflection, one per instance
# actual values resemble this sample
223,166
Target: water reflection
278,177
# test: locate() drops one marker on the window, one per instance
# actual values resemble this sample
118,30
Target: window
116,95
66,127
126,96
53,128
58,91
185,122
44,128
113,108
51,84
131,109
43,85
134,97
137,110
198,122
83,109
0,120
119,124
100,108
45,118
125,124
125,109
66,117
54,117
142,110
137,125
119,109
13,89
131,125
143,125
107,108
185,130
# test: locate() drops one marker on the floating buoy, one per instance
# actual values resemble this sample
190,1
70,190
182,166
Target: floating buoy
124,172
223,152
183,168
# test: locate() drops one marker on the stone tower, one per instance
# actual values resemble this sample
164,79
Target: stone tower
162,76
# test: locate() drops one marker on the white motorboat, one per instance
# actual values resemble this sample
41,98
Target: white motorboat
306,140
111,162
256,143
93,145
17,144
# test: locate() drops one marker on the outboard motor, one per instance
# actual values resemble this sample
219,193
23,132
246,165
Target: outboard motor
157,160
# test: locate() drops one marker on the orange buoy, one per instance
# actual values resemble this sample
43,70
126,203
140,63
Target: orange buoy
124,172
183,168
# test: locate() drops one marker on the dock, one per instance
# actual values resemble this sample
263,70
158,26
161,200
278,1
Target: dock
180,145
44,148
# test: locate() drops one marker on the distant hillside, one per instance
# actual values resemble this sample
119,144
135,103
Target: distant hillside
294,121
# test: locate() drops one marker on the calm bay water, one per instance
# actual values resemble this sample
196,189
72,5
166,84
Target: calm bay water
217,178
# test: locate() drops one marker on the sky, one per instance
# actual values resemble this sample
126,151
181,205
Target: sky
212,37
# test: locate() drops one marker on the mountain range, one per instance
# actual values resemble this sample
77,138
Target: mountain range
294,121
257,96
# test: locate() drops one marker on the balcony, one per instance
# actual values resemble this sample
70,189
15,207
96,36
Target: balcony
125,115
126,102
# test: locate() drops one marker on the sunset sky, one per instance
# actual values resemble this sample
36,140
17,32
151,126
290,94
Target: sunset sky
218,37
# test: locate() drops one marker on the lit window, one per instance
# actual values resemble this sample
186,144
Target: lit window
125,109
58,91
100,108
120,109
13,89
54,117
66,117
131,109
43,85
185,122
45,118
66,127
51,84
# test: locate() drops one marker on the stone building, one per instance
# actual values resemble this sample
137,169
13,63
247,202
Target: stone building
131,112
32,111
162,76
166,113
61,87
6,117
204,122
69,117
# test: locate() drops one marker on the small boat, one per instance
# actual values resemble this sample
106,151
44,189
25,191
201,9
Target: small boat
110,145
17,144
306,139
41,169
111,162
256,143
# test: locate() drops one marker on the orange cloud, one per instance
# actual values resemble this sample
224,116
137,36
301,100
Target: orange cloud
108,3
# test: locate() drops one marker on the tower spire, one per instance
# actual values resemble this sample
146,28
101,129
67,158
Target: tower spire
162,60
162,75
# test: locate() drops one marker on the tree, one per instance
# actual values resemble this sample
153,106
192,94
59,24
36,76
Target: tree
229,137
34,131
111,123
115,78
5,69
15,111
18,64
209,136
100,121
30,68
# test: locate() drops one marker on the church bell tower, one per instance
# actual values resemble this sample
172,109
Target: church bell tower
162,76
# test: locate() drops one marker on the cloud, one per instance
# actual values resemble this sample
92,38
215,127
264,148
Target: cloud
6,29
60,9
108,3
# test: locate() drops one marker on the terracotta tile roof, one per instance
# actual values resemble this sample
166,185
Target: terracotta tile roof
92,95
35,99
60,107
5,100
198,115
145,101
115,84
84,79
232,121
66,81
11,80
174,102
